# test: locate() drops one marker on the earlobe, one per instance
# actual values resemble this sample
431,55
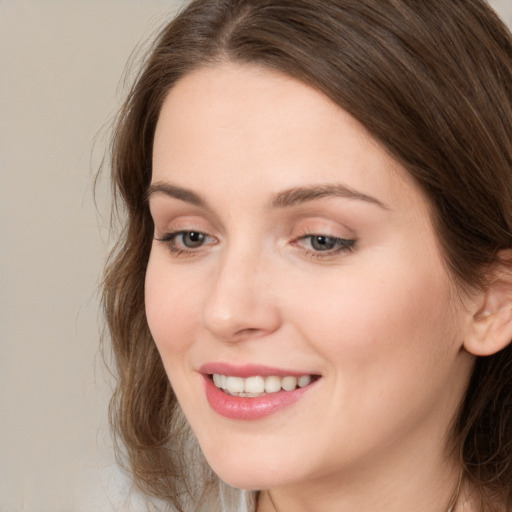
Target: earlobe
491,326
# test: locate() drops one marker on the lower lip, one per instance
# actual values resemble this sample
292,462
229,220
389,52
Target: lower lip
244,408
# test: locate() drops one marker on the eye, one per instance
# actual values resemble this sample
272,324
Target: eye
180,242
191,239
319,245
323,243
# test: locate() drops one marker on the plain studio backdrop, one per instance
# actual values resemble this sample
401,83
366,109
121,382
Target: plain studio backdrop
61,63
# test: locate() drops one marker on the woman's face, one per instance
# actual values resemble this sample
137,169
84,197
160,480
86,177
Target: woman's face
291,250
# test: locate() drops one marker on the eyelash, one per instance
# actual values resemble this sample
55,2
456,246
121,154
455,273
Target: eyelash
170,240
343,245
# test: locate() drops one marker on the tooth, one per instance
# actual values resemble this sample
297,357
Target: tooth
304,381
235,384
289,383
254,385
258,385
272,384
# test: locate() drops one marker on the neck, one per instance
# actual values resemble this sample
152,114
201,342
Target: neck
316,499
424,482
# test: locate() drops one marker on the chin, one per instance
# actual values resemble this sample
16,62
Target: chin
249,477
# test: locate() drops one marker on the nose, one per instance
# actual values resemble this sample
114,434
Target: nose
241,303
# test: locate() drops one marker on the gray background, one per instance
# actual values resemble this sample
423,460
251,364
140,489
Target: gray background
60,68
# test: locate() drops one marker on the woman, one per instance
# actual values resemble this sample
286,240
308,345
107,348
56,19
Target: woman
316,274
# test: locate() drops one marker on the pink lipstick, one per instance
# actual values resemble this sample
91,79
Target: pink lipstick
251,392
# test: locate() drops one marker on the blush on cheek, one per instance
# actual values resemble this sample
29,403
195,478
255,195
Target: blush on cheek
371,320
171,312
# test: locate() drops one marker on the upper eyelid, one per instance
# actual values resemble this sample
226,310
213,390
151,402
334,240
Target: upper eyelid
168,220
350,241
347,245
305,210
173,233
322,228
312,222
169,239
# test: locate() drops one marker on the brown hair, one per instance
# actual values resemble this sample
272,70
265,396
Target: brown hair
431,80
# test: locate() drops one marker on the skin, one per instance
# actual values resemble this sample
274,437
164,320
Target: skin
381,322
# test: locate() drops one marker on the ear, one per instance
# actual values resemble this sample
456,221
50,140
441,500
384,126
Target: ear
491,325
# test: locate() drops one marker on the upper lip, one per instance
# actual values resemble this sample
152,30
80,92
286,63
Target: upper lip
249,370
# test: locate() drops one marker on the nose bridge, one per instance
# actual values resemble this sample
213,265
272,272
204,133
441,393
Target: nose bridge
240,301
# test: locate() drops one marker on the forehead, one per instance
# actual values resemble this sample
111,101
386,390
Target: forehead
242,124
248,103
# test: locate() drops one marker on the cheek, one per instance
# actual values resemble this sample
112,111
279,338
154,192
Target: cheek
172,306
390,346
379,326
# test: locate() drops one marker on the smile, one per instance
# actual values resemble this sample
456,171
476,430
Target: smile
253,392
257,386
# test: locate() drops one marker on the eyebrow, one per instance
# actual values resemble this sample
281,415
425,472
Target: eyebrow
183,194
298,195
285,199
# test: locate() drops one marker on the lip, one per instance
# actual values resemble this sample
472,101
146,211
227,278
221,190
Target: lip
249,370
245,408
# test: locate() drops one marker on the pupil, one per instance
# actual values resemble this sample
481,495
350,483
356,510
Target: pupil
193,239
